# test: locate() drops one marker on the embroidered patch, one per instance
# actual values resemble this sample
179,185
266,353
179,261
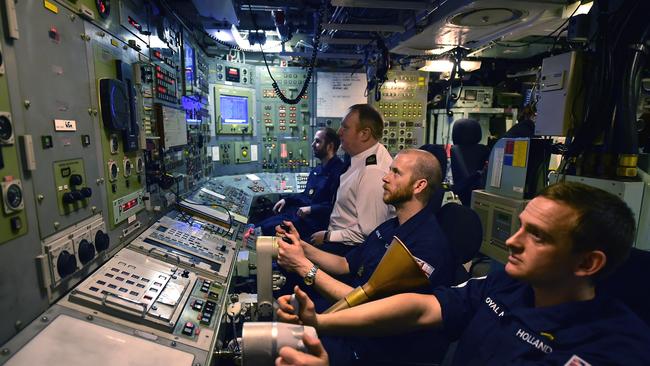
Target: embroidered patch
360,271
575,360
426,267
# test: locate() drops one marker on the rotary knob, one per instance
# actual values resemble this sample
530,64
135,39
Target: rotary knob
86,192
78,196
86,251
101,241
76,179
68,198
66,264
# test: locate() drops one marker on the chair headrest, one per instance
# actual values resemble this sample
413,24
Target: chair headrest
463,229
466,131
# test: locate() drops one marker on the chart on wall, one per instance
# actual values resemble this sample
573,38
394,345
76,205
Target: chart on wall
337,91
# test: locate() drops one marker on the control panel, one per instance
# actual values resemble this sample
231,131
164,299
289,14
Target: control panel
197,243
232,73
156,294
165,76
54,55
72,249
227,193
285,128
12,217
120,100
403,105
71,187
474,97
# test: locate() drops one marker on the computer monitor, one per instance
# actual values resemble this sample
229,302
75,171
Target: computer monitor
234,110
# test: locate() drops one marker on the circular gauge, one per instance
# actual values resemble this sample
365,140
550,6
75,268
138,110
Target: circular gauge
115,144
14,196
6,130
113,170
103,8
139,165
128,167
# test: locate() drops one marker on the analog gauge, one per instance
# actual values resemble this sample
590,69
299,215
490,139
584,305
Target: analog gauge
6,130
103,8
115,144
113,170
139,165
14,196
128,167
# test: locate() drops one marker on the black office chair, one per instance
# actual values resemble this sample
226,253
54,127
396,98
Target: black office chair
629,285
441,154
468,158
464,232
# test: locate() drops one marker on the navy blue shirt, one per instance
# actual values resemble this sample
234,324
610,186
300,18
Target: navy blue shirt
425,240
422,236
319,193
498,324
320,190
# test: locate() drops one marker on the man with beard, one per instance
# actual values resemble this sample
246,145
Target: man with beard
310,210
413,177
543,309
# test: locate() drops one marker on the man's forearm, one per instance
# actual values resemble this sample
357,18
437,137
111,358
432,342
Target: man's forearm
393,315
330,287
349,235
330,263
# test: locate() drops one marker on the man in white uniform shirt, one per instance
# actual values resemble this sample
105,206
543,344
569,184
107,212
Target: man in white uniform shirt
359,206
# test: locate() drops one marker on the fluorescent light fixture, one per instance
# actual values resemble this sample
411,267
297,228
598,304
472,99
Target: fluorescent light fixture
438,50
446,66
235,36
584,8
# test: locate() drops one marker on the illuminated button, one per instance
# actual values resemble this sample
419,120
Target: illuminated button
188,329
198,305
210,305
206,319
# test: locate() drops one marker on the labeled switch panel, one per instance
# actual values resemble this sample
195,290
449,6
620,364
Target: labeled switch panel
72,191
403,105
285,128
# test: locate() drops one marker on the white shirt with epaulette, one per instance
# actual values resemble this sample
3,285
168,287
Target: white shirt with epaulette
359,206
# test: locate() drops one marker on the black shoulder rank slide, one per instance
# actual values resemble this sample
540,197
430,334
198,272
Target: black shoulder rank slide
371,160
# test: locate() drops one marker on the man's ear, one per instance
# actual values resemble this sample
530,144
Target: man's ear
419,186
366,134
590,263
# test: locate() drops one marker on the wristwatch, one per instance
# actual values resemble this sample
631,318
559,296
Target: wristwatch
326,238
311,275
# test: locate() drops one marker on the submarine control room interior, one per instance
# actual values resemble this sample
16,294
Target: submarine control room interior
189,182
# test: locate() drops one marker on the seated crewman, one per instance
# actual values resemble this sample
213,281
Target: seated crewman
413,176
543,309
310,210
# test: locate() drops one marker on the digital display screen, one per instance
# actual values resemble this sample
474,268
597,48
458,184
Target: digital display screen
234,110
470,94
232,74
129,205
